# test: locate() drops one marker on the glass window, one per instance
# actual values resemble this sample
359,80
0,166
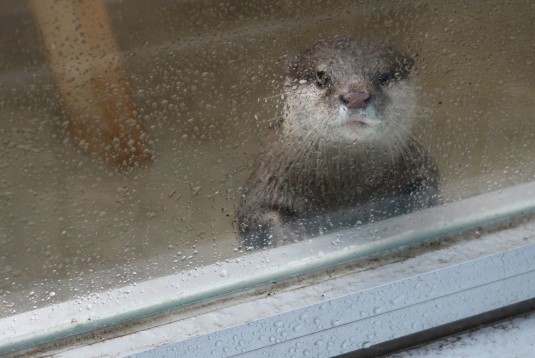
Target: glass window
140,139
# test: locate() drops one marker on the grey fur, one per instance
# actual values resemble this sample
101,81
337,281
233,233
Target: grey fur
320,168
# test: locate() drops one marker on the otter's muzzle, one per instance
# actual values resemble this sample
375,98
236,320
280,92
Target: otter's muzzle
355,99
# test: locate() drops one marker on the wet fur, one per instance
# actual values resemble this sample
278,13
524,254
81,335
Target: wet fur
314,172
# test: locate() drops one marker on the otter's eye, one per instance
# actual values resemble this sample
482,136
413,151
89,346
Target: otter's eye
321,79
385,78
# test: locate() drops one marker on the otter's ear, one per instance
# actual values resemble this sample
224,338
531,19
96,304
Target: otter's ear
291,67
406,63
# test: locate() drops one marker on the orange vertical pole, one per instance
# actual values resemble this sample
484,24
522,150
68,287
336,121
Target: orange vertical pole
88,72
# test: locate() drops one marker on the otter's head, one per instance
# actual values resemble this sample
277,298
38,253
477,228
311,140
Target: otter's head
350,92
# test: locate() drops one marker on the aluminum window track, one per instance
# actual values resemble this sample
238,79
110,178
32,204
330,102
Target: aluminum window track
374,316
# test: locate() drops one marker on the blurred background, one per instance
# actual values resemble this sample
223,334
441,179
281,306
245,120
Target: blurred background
206,78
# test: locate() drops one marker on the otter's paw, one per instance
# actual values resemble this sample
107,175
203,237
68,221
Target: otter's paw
271,231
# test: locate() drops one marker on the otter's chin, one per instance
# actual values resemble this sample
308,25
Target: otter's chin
359,133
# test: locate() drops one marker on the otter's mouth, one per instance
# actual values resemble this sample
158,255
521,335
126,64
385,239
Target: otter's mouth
357,121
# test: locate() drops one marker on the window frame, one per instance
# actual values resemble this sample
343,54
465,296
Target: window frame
221,285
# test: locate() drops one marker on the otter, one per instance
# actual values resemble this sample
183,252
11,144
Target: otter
342,153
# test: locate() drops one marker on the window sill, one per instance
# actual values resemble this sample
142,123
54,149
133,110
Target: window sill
357,305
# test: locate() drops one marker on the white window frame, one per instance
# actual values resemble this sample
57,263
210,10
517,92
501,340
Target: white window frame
324,288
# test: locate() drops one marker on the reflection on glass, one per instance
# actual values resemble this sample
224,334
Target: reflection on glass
210,82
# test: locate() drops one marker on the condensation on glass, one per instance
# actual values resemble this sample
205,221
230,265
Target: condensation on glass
200,86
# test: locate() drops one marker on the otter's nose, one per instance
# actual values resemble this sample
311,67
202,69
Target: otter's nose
355,99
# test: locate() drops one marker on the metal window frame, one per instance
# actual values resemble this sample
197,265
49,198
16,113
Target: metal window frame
359,316
375,316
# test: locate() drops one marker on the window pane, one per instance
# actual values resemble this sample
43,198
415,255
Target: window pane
129,132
